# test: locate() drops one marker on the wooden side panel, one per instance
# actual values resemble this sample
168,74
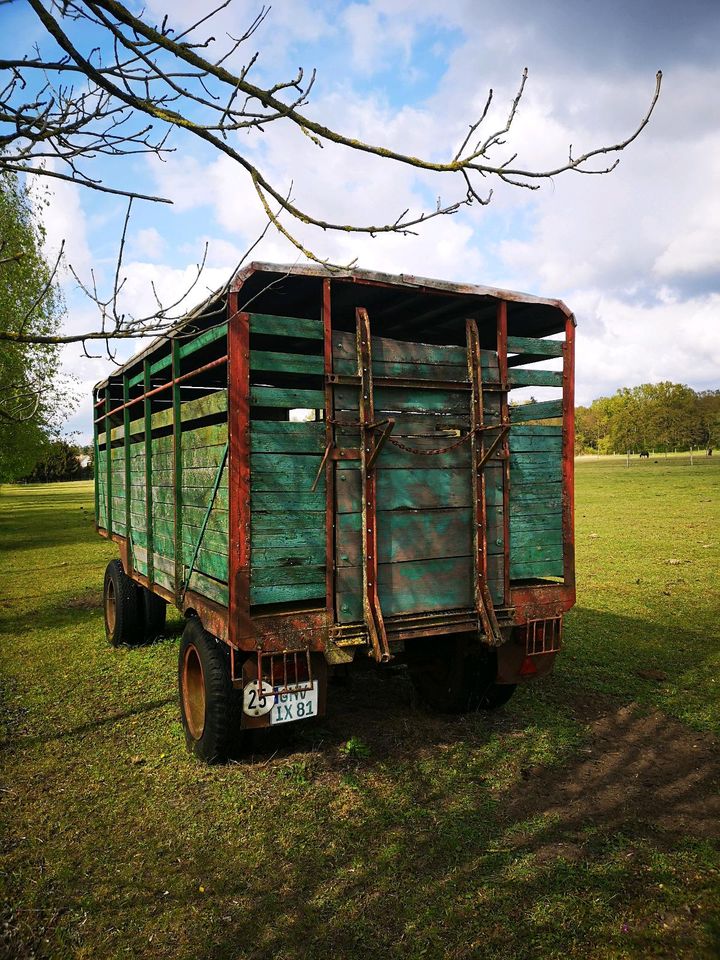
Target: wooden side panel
536,471
100,473
117,469
287,516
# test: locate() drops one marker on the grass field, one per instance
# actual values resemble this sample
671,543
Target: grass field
580,821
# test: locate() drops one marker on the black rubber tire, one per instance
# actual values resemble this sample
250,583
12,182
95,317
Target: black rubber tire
121,606
210,707
154,612
456,675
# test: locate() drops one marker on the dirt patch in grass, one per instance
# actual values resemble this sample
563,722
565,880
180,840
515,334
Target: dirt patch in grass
634,768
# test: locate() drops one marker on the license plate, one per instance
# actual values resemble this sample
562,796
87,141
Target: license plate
297,702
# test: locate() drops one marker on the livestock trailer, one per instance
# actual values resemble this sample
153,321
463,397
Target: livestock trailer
315,466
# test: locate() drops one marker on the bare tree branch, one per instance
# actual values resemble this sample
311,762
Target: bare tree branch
143,82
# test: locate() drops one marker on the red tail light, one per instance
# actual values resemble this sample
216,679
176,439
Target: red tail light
528,667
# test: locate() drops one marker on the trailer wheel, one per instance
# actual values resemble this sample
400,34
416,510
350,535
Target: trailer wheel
121,605
154,610
454,675
209,706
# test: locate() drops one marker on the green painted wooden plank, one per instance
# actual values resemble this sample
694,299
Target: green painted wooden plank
134,381
535,459
286,362
287,593
406,489
212,435
539,444
536,522
540,568
544,410
194,496
388,350
530,539
287,556
407,535
218,519
518,377
270,576
162,364
541,348
214,539
535,430
389,400
292,536
284,472
194,457
278,436
273,503
203,339
412,587
208,587
206,406
536,491
287,398
286,326
524,508
415,371
207,561
282,523
521,475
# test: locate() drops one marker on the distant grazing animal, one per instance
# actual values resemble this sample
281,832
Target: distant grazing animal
709,451
645,454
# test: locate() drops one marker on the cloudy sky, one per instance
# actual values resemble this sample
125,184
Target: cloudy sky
635,254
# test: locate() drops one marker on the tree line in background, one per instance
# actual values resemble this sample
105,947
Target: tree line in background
657,417
62,461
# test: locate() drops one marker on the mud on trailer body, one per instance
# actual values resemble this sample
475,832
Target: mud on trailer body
315,466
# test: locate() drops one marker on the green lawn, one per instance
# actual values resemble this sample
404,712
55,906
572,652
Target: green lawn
580,821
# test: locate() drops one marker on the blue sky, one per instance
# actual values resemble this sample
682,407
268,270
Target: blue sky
636,254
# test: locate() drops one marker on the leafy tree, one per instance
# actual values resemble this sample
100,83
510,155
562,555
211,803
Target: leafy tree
31,403
59,462
659,416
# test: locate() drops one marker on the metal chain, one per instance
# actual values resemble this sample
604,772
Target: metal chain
420,451
429,451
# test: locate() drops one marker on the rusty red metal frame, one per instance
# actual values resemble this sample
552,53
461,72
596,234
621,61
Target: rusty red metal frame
371,601
502,355
479,456
330,440
239,622
164,386
568,454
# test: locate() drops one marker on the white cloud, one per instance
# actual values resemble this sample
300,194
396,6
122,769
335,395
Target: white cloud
635,254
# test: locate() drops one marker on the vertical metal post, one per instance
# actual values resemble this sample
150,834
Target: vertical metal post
568,453
239,514
483,601
329,464
126,451
96,463
502,353
371,603
177,468
147,411
108,460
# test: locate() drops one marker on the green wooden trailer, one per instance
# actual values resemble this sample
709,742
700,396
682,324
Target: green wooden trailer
318,466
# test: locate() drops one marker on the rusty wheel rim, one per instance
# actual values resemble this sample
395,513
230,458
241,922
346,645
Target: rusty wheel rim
110,607
193,687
